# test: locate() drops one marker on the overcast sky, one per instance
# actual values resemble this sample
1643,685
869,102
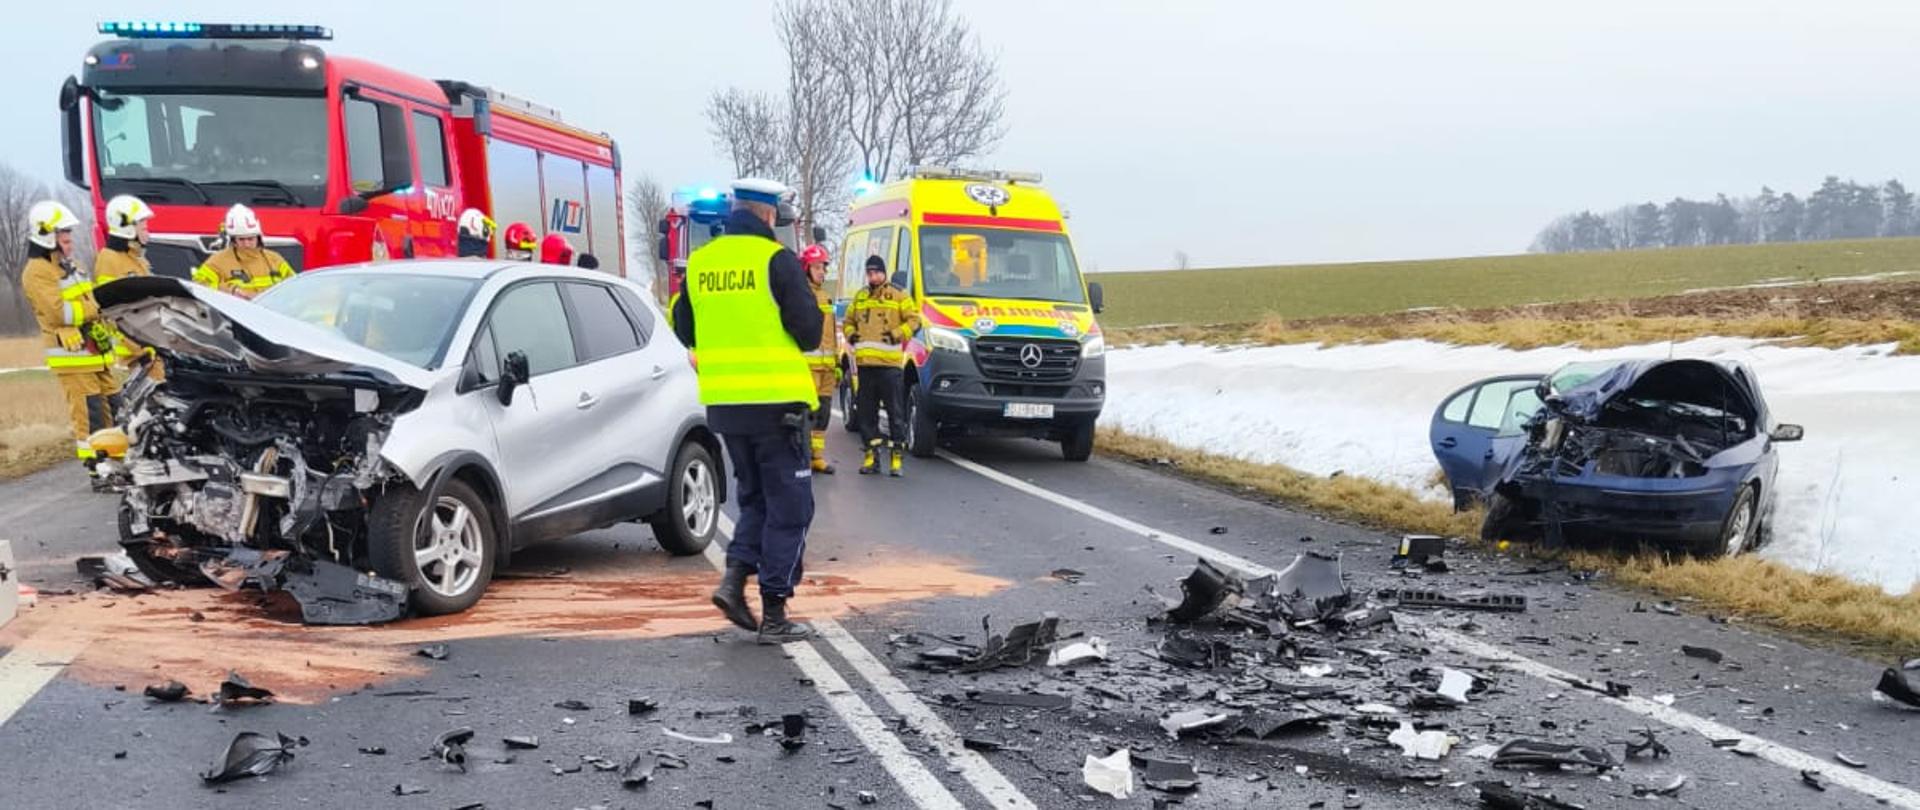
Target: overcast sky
1240,133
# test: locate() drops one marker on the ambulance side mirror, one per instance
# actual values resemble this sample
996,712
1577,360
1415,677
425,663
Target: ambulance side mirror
1096,296
819,235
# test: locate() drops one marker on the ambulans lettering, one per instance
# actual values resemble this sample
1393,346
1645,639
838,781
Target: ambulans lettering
726,281
1003,311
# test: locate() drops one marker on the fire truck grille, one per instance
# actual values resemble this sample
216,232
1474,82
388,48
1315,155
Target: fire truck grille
1026,360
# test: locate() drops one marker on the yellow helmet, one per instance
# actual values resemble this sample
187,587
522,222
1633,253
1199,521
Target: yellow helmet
110,442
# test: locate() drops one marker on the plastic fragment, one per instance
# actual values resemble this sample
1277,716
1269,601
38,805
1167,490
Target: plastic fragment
236,690
722,738
1431,745
437,652
523,742
1707,654
1169,775
251,754
169,692
451,747
1454,685
1093,649
1191,721
1111,775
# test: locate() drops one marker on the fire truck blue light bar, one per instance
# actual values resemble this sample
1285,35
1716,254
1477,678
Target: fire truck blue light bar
145,29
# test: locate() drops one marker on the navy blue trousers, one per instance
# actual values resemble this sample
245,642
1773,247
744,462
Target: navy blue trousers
774,483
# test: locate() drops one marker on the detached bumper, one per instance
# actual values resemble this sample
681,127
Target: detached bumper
960,396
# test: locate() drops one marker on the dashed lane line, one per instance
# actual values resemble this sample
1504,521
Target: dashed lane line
1878,789
920,785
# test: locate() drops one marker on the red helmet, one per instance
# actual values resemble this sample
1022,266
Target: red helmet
814,254
555,250
520,237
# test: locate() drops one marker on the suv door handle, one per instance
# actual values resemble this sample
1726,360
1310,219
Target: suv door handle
1449,442
658,372
586,401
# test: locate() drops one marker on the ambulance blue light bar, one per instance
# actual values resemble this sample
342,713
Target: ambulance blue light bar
147,29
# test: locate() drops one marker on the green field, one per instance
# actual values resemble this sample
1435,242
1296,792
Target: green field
1242,294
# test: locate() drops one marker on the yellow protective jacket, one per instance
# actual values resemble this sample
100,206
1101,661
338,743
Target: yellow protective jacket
113,265
243,272
62,303
825,360
879,324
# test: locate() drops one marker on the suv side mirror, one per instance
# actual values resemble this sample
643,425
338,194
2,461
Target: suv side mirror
1096,296
1787,433
513,374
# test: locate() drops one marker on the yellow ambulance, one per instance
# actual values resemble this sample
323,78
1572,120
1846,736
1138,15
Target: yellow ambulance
1008,343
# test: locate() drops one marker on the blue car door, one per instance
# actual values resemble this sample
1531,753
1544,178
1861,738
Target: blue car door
1466,424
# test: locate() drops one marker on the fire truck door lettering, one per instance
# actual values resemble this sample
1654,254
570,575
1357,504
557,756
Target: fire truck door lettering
440,205
569,216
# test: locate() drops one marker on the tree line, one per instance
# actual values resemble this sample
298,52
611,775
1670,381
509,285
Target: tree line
18,193
1836,210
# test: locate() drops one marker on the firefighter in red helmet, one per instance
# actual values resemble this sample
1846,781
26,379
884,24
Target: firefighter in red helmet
520,242
555,250
824,360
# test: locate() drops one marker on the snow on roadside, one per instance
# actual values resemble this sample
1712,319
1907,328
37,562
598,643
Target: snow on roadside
1848,496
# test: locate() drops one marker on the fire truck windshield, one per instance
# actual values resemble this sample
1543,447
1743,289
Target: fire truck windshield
212,148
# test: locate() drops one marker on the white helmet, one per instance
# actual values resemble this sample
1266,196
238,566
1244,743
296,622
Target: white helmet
240,221
475,224
124,213
46,219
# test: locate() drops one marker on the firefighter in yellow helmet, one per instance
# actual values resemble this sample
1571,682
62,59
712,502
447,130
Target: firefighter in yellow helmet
125,257
244,267
824,359
61,296
880,321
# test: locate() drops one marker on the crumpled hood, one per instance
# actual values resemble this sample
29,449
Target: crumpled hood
187,320
1700,382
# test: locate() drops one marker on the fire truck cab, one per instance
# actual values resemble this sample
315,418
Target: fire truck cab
696,216
343,159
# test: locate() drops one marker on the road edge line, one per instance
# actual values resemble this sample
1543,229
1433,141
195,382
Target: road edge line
31,665
1776,753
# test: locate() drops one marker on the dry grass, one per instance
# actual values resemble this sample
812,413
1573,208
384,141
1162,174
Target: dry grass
1600,332
33,424
1748,586
20,352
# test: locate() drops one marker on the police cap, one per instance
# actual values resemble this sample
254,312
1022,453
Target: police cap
760,190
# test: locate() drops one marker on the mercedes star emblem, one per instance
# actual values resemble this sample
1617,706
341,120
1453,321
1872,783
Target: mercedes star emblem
1030,356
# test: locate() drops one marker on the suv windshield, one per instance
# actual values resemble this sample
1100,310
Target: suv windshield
995,263
409,318
213,149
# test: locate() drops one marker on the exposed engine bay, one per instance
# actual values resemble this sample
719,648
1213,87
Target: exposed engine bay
241,479
1635,438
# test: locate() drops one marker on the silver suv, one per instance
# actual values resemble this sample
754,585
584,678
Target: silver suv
377,438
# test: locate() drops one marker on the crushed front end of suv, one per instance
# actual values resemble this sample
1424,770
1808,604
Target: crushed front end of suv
1679,453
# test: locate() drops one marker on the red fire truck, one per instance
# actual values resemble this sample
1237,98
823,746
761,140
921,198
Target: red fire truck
344,160
695,216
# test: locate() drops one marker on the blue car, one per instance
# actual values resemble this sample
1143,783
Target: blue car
1679,453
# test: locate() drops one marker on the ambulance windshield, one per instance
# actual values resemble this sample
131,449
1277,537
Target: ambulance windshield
996,263
213,148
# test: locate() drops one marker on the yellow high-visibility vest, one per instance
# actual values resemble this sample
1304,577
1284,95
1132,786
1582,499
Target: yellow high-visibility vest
746,355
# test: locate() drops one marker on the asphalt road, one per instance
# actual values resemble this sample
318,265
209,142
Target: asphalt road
606,618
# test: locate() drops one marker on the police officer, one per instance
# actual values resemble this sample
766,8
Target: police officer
72,338
824,359
880,321
244,267
476,234
749,317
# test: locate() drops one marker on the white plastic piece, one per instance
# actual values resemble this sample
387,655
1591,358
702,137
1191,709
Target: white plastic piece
1111,775
1454,685
1421,744
1376,708
1664,700
1316,670
722,738
1093,649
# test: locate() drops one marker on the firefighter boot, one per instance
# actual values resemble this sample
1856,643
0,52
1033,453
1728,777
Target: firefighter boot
731,596
870,463
776,629
820,464
893,459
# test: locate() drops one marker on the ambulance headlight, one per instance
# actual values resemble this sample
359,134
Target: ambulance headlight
946,340
1095,346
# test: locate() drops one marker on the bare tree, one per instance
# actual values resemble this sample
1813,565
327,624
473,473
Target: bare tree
747,127
819,156
915,84
18,193
646,205
1181,261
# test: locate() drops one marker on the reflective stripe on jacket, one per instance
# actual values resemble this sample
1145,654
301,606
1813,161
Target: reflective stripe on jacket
825,359
233,270
873,317
746,355
62,304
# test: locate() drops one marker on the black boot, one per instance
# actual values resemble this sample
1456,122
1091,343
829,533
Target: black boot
776,629
731,596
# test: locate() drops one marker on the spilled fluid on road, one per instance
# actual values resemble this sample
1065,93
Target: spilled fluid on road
155,637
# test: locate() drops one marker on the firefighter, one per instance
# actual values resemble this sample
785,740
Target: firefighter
520,242
879,321
555,250
62,300
476,234
825,358
124,257
244,267
747,310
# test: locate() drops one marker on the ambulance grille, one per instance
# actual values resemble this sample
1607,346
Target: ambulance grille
1000,358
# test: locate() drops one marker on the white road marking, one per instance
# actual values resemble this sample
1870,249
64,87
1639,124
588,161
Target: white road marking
31,665
921,786
992,786
1784,756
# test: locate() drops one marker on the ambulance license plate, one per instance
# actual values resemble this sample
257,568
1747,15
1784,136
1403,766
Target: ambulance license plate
1028,410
